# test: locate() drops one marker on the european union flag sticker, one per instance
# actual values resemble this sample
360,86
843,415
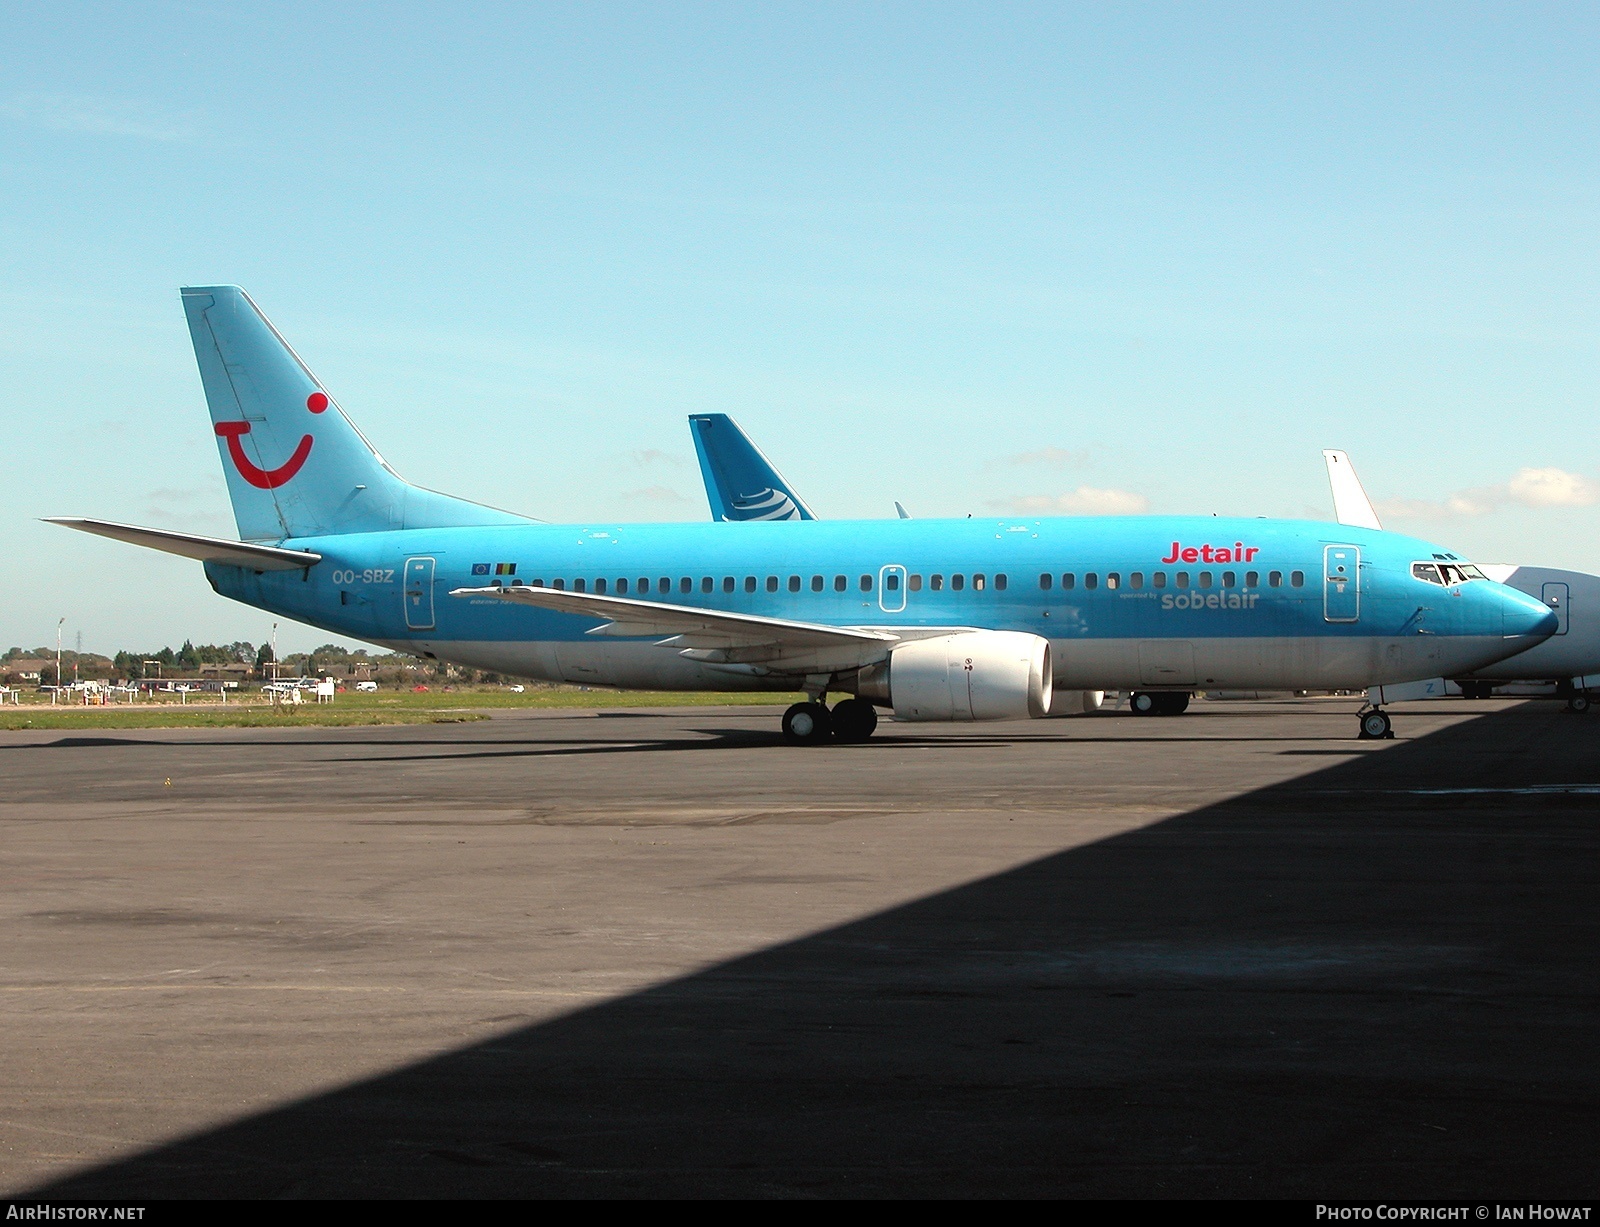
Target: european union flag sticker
480,568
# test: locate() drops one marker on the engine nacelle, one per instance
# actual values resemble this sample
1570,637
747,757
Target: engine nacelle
971,675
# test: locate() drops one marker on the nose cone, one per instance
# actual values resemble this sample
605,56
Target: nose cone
1523,617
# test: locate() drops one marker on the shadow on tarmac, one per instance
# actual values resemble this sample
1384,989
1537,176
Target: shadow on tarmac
1328,988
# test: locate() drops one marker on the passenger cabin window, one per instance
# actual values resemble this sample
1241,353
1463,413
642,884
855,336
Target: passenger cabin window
936,582
1069,580
558,584
1113,580
1136,579
999,583
891,582
1181,578
686,585
794,583
977,583
707,584
577,585
749,583
1205,579
1158,579
599,585
1275,579
958,582
840,583
1252,579
622,587
1297,579
866,583
915,583
538,583
1091,580
772,583
727,583
1229,579
817,583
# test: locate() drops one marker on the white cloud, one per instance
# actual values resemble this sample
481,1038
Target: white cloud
101,116
1529,487
1553,488
1084,501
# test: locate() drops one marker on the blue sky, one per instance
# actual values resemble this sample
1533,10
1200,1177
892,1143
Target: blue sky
974,257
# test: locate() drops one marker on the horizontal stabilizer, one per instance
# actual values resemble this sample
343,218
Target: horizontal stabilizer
699,627
188,545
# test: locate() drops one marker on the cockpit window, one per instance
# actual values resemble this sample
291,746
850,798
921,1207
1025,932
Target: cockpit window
1426,572
1446,573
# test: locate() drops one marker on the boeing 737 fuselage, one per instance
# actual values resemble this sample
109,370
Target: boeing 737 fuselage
934,619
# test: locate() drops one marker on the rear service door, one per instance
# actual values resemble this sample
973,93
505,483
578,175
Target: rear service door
1341,583
892,588
419,594
1555,596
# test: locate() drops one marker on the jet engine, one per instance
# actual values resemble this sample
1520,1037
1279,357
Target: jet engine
970,675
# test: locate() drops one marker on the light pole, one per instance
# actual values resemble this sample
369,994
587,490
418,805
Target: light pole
57,691
274,651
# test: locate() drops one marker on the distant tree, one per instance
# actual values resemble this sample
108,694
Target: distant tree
264,660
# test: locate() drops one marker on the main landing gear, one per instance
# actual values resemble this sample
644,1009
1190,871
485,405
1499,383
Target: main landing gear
1376,725
1158,703
812,724
1579,702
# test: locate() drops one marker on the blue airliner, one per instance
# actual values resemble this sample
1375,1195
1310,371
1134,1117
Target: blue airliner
940,620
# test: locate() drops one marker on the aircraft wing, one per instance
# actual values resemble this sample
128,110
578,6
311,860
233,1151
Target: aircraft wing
689,627
188,545
1350,503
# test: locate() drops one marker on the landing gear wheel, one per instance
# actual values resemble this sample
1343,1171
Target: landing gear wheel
1578,703
1376,726
808,724
854,720
1171,704
1144,703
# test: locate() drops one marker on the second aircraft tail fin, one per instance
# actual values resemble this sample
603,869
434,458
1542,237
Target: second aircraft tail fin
1350,502
741,483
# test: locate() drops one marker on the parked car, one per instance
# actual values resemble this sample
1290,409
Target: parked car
367,687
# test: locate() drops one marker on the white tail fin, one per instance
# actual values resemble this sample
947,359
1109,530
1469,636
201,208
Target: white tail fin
1350,502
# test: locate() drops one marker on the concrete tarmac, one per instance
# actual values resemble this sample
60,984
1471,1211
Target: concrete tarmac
1235,953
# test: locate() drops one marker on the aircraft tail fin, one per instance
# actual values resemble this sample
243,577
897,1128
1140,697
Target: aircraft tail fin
1351,505
296,466
741,483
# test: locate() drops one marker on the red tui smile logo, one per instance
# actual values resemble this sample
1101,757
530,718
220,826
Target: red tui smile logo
268,479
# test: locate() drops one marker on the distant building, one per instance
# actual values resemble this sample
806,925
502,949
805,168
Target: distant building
234,670
27,668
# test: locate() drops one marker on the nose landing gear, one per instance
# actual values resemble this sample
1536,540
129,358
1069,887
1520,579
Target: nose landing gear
1376,726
